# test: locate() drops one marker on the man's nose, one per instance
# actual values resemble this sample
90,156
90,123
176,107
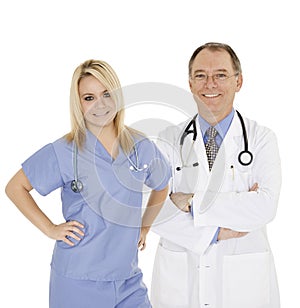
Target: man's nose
210,81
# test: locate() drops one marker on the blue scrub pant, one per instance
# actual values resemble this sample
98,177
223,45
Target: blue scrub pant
73,293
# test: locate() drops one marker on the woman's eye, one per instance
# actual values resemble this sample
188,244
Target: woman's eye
106,94
88,98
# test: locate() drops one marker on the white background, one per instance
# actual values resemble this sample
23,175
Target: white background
43,41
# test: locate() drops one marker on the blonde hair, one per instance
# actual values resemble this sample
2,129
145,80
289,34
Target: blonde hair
107,76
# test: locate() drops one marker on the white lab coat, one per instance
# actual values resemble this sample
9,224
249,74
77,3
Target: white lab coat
189,271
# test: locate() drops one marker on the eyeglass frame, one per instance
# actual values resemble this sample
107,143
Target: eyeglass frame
214,79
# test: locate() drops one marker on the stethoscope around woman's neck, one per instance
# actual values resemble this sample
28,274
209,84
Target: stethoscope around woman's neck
77,185
245,157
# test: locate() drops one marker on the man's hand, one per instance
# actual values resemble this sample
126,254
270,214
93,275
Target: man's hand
226,234
181,200
254,187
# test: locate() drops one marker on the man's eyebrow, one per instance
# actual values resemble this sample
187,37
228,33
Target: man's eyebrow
217,70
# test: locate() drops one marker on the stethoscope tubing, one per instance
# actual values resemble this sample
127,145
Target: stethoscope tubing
77,185
246,151
245,157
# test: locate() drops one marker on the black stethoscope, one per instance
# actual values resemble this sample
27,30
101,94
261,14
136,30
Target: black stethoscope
245,157
77,185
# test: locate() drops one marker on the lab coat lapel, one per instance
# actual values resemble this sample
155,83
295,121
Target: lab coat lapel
226,155
229,149
233,140
230,145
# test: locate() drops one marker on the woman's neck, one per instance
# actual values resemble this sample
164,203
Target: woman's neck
108,137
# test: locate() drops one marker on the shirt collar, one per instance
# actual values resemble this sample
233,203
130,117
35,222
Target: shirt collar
94,146
222,127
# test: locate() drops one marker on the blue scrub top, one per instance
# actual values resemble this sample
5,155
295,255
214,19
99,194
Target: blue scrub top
109,206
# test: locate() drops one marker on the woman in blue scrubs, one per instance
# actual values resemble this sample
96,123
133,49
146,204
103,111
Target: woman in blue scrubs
102,167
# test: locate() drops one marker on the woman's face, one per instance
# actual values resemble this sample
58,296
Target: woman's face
97,104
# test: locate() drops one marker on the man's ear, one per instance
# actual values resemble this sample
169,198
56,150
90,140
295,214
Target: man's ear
239,82
190,84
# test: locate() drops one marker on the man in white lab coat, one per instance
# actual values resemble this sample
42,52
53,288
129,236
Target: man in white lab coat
214,251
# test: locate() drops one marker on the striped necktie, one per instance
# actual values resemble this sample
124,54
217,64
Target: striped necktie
211,146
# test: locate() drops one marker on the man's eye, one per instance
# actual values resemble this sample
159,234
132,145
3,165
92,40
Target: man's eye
221,76
200,76
106,94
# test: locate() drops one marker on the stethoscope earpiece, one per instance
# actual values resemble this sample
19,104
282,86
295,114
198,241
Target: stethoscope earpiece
135,168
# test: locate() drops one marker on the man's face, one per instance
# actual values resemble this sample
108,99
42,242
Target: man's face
214,83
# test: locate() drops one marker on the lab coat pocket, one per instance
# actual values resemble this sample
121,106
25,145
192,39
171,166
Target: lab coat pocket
246,280
241,180
170,290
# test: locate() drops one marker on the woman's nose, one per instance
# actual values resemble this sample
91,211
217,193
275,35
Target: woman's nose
99,103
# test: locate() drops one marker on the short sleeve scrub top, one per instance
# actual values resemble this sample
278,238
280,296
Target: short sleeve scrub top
109,205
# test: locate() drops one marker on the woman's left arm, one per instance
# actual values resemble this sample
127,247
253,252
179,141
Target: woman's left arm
154,205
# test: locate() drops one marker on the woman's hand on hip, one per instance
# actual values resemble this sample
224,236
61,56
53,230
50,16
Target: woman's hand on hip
65,231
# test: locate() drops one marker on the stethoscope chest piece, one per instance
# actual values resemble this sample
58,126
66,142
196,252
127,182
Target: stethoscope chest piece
76,186
245,158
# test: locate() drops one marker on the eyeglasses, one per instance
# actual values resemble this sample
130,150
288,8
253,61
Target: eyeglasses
217,78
